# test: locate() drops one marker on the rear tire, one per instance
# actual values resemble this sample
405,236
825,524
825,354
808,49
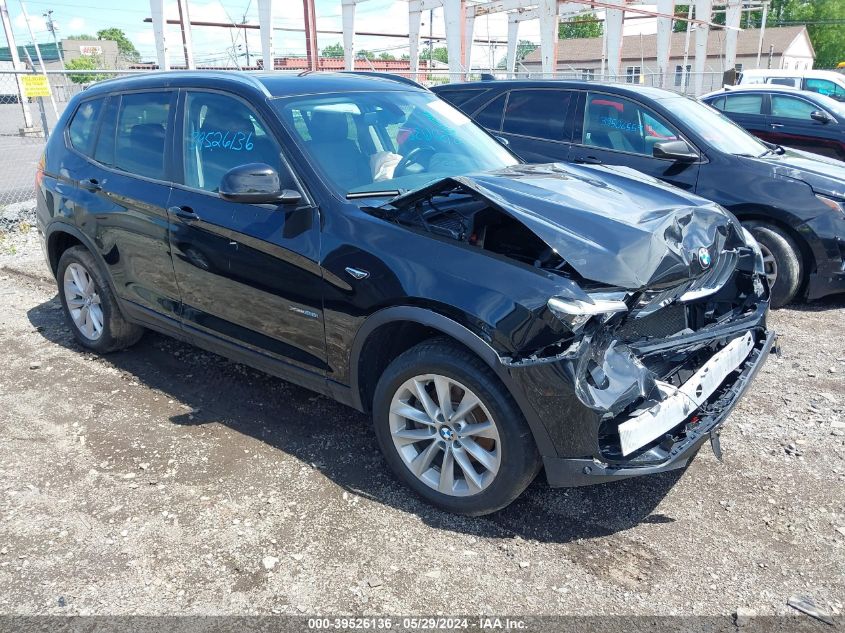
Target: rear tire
782,260
89,305
471,459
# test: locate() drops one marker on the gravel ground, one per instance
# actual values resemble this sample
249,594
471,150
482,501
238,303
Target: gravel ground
166,480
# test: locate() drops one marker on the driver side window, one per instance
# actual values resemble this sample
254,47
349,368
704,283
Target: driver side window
616,123
221,133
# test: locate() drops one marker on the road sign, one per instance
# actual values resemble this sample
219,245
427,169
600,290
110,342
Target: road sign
35,86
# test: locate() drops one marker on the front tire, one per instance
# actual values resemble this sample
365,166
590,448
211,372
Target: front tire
451,432
89,305
781,259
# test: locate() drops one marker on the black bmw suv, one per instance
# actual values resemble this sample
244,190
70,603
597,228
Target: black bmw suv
362,238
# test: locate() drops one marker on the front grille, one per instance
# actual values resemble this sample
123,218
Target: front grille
660,324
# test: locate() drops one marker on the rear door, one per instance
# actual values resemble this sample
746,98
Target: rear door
792,126
615,130
536,122
248,273
123,189
748,110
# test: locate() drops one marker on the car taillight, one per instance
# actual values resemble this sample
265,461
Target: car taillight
39,170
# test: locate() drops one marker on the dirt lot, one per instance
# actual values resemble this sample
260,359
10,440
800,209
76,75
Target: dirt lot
165,480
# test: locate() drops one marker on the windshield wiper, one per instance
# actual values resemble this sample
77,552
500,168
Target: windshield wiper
352,195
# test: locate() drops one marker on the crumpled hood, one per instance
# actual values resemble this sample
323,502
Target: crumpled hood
615,225
825,175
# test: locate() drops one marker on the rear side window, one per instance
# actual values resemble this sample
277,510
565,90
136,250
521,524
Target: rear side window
784,81
744,104
83,126
490,116
537,113
141,132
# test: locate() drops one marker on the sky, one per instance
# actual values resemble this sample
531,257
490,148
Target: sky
217,45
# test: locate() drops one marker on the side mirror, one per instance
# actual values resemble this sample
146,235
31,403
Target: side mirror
502,140
820,115
255,183
678,151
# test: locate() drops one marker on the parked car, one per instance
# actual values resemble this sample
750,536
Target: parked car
362,238
796,118
793,202
826,82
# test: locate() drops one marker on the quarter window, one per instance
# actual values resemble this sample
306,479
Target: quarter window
490,116
615,123
744,104
222,133
537,113
141,132
83,126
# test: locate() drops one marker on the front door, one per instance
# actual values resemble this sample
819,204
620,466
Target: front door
618,131
792,126
248,273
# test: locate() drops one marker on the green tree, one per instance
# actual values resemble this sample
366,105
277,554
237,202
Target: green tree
387,57
581,26
523,48
85,62
439,54
125,47
365,54
824,20
332,50
84,36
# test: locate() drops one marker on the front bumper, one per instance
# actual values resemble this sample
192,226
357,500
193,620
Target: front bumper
580,472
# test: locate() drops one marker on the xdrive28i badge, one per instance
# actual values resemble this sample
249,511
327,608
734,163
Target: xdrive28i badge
704,259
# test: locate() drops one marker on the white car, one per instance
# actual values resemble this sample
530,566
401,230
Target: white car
826,82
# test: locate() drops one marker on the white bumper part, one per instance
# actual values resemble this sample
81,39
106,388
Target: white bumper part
679,403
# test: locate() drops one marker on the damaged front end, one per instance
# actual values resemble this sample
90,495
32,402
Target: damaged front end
656,327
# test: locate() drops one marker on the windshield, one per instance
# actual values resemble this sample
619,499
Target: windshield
719,131
388,141
832,105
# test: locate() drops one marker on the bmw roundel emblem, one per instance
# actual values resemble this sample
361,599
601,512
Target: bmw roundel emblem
704,258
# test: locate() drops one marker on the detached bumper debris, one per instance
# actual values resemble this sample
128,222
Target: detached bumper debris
807,605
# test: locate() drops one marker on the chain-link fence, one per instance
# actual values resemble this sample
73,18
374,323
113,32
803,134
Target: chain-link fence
26,121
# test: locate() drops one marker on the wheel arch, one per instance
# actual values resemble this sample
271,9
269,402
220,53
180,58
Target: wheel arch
391,331
788,226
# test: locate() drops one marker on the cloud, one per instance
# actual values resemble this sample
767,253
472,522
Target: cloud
75,25
36,23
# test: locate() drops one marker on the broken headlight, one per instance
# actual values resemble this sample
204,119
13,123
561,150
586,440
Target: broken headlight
575,312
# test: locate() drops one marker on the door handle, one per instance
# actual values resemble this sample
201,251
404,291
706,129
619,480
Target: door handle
588,160
90,184
184,213
776,125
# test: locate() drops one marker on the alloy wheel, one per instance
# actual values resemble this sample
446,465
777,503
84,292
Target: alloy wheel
445,435
770,265
83,301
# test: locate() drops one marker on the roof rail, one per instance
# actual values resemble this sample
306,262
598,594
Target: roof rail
389,76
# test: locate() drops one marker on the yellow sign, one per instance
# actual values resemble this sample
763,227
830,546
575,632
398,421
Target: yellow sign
35,86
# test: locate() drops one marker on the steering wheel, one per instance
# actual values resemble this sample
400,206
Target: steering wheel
412,158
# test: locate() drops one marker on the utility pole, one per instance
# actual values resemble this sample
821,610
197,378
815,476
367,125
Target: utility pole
51,26
430,38
16,64
246,42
